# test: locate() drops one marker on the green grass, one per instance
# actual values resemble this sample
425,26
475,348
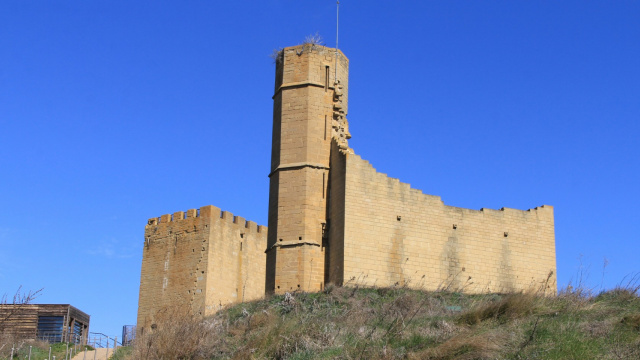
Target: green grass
39,350
122,353
398,323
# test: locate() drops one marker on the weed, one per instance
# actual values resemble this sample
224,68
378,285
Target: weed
633,321
510,307
122,353
397,323
313,39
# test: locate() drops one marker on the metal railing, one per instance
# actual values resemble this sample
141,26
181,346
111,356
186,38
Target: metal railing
128,334
100,340
61,336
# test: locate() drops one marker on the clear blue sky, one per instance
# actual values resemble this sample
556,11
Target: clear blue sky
112,112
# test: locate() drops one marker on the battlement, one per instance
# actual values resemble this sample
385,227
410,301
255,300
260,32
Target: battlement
208,211
334,217
201,259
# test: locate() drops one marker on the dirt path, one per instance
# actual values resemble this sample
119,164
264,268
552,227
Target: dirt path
97,354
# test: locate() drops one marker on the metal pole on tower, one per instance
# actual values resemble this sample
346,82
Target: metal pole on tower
335,70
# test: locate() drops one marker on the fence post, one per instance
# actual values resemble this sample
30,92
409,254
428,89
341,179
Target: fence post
12,347
29,352
84,357
107,347
49,352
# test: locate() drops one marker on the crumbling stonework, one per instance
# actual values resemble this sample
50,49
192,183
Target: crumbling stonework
309,111
334,219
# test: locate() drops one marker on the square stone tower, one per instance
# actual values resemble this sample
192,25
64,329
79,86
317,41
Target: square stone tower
310,103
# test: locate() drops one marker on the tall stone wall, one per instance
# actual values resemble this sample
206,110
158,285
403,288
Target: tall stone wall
202,259
396,235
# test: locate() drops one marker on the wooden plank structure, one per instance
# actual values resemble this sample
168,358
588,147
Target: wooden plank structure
48,322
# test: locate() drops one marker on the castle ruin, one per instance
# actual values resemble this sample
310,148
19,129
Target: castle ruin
334,219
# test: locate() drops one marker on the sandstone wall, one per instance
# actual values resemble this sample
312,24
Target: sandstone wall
202,259
396,235
237,262
303,122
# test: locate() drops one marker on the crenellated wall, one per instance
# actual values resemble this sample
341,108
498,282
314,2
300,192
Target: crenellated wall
202,258
396,235
335,219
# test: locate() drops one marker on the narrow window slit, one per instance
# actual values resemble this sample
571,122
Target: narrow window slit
323,184
326,78
325,127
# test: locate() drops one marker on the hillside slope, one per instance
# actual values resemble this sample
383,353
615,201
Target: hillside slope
397,323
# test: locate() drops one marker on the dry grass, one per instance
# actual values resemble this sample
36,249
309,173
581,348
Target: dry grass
9,308
398,323
467,345
8,341
178,334
633,321
509,307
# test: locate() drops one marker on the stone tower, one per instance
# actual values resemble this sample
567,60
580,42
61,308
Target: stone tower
309,107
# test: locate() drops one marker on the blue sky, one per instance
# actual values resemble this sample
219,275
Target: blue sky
112,112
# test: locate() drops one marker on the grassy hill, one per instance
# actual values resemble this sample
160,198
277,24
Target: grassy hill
398,323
